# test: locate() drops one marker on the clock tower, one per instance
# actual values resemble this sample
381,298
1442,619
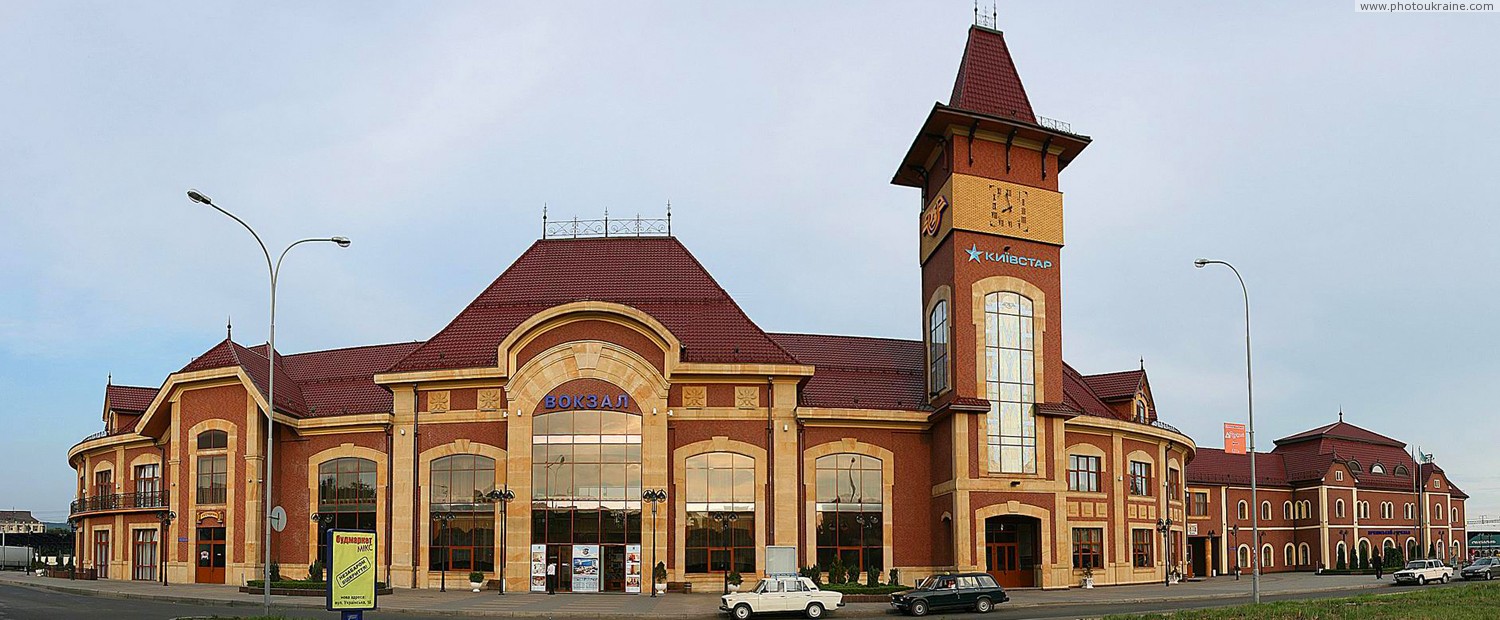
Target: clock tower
990,235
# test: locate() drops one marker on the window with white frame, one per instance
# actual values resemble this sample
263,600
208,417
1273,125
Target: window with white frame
1010,382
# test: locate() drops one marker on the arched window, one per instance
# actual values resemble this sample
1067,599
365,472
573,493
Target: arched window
1140,411
1437,512
1265,511
1286,510
1364,549
1453,514
213,440
1387,510
937,348
1243,510
467,541
720,484
850,498
1442,550
346,498
1342,551
1010,382
1400,470
1377,469
1410,511
1244,557
1455,554
1304,555
1267,556
1411,548
1353,466
586,482
1290,555
1339,508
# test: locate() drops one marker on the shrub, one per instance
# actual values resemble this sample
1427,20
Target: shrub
659,574
735,578
1364,558
275,572
812,572
895,578
836,572
872,576
476,577
1343,563
315,571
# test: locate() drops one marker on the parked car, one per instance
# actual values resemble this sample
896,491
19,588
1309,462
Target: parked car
781,594
1422,571
1482,568
976,591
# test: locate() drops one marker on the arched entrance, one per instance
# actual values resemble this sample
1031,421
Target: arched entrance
210,557
1011,552
586,476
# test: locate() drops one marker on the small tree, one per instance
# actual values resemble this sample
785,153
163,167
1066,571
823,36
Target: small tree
872,576
275,571
812,572
1364,558
315,571
895,578
1343,563
1431,550
836,572
659,574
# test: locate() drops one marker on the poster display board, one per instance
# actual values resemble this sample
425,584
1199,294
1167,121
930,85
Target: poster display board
585,568
351,570
633,568
1234,438
539,568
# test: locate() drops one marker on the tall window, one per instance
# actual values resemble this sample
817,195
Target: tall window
1140,478
850,494
213,479
1088,547
720,484
1243,511
148,486
1083,473
101,553
1174,485
104,488
937,347
1141,547
346,498
1010,382
1265,511
586,476
1199,507
1140,411
467,541
1338,509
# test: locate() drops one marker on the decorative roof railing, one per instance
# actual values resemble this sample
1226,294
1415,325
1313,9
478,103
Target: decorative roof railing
1163,425
1054,124
606,227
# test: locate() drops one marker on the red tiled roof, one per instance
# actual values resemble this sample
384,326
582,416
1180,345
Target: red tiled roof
128,398
1081,397
341,381
1342,430
655,275
1115,385
987,79
228,353
860,372
1214,466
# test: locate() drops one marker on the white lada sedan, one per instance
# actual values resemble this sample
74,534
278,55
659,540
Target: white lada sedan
781,594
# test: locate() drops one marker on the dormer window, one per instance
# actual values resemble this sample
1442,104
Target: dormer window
1400,470
1354,466
1377,469
1140,411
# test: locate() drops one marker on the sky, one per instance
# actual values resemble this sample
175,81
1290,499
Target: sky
1335,157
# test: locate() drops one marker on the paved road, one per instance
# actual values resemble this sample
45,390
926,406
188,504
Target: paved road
23,603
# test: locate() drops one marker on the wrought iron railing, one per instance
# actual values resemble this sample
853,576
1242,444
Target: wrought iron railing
103,433
630,227
1054,124
120,501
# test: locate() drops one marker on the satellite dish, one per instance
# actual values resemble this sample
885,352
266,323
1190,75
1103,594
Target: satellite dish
278,518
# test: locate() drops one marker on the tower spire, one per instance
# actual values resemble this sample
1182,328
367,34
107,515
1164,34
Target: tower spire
229,328
1341,413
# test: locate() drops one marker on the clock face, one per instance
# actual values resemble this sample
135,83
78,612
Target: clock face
1008,210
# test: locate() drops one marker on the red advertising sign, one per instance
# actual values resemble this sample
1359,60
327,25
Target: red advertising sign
1234,438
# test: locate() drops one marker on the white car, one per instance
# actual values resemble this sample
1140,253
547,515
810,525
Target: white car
1421,572
781,594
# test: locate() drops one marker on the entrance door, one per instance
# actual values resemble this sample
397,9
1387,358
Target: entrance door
1198,549
614,568
1010,550
210,556
101,554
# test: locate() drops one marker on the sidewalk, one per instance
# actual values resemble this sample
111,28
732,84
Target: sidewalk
461,602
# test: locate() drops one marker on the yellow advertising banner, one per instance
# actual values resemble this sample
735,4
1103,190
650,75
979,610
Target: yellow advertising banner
978,204
351,570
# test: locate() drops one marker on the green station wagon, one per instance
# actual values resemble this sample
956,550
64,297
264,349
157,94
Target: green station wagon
976,591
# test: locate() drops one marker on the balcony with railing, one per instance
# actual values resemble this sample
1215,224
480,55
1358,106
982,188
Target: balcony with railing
120,502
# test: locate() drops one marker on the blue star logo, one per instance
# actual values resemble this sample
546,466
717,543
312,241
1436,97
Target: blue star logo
974,253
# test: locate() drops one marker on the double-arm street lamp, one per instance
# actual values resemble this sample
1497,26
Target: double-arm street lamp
165,517
653,497
442,518
503,497
1250,410
274,269
1165,527
725,518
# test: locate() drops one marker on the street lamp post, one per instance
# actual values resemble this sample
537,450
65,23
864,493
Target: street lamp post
1250,411
324,521
654,497
77,552
725,518
504,497
165,517
275,270
443,518
1234,530
1165,527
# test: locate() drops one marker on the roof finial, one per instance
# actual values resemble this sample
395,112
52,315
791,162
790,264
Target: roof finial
544,220
1341,413
669,208
229,328
109,379
1143,362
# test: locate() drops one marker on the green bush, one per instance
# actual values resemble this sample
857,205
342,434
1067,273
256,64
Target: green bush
735,578
476,577
872,576
275,572
315,571
836,572
1343,564
855,588
812,572
895,578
